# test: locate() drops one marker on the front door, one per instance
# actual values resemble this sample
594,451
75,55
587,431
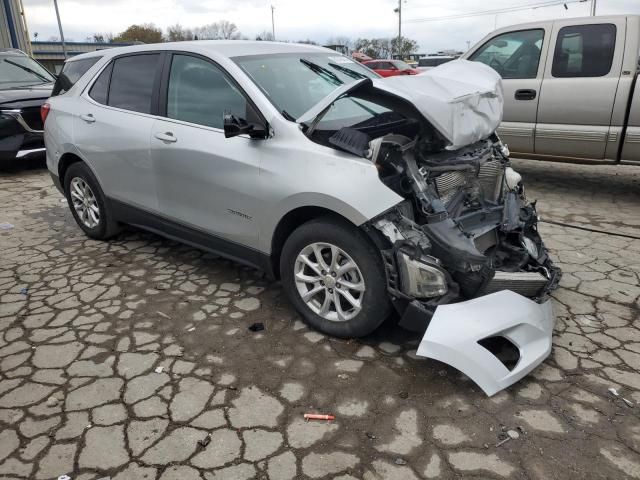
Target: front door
516,56
579,88
205,182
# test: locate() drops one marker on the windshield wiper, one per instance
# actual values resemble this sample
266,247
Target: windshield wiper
30,70
348,71
288,116
314,67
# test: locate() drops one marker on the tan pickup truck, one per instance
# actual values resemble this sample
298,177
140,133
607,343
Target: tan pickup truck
570,88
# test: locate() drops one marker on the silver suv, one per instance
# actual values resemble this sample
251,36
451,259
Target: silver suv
363,195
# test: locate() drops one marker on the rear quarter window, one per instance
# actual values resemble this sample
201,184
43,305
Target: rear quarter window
72,72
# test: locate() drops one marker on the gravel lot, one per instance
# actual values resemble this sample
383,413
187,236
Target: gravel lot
117,358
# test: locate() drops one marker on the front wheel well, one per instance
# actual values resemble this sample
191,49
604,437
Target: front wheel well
289,223
64,163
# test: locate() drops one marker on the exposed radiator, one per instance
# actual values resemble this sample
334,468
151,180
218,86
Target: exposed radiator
528,284
489,179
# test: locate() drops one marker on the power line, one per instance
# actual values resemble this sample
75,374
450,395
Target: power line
495,11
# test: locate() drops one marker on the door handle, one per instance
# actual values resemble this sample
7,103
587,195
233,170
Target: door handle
89,118
166,137
525,94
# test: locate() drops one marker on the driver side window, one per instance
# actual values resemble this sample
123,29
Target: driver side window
513,54
200,93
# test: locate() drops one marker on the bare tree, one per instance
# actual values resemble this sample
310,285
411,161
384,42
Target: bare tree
176,33
228,30
207,32
222,30
265,36
340,40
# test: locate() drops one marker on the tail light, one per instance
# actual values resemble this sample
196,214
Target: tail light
44,112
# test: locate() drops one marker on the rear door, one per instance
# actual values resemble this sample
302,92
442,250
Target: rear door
579,88
112,128
518,56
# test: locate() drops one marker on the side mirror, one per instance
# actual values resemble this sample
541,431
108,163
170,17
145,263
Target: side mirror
234,126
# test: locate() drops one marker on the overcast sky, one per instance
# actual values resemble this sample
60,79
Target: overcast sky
318,20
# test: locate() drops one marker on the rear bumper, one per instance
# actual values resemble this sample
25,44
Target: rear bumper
21,145
455,330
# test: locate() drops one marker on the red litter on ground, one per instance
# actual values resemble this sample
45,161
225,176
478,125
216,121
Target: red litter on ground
316,416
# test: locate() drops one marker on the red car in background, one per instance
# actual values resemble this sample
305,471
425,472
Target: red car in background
390,68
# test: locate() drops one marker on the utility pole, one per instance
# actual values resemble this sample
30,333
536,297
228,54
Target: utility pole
273,25
400,29
593,8
399,12
64,47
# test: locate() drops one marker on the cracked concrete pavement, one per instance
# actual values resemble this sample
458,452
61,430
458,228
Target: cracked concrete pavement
117,358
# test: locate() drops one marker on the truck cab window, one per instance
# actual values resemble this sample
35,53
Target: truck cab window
584,51
512,54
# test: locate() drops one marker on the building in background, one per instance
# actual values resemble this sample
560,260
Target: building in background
13,26
50,54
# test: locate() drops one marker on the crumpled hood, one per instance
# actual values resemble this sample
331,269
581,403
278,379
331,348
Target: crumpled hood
463,100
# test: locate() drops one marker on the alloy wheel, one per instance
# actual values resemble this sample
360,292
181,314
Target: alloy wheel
329,282
84,202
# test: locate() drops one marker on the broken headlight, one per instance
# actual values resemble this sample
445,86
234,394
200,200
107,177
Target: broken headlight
420,278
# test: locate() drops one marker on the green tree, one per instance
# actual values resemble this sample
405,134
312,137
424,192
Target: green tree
145,33
407,46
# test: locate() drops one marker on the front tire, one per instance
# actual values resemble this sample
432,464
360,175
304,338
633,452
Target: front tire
88,203
334,276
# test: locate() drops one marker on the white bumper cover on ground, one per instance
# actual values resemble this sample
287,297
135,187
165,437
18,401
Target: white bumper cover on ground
453,334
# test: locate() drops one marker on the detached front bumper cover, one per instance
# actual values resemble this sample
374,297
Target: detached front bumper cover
455,330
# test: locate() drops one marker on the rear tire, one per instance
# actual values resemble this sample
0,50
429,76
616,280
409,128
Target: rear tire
346,291
88,204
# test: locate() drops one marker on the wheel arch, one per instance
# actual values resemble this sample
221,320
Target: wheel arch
292,220
65,161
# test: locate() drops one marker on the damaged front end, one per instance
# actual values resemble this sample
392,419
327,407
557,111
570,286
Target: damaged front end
465,260
463,256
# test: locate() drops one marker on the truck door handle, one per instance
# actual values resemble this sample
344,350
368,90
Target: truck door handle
166,137
88,118
525,94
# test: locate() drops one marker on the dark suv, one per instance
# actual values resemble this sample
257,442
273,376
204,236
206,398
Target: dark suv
24,86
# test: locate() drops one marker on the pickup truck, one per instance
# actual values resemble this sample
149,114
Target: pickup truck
569,88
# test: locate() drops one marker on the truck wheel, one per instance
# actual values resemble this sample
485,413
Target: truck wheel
334,276
88,203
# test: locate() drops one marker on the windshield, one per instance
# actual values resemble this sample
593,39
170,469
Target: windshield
295,82
18,71
400,65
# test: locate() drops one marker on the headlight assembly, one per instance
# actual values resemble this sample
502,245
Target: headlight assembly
420,277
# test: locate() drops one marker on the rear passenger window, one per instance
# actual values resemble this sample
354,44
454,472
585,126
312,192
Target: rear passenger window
132,79
584,51
100,89
71,73
199,92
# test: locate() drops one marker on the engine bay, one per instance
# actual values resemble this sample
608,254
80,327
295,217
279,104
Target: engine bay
465,228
